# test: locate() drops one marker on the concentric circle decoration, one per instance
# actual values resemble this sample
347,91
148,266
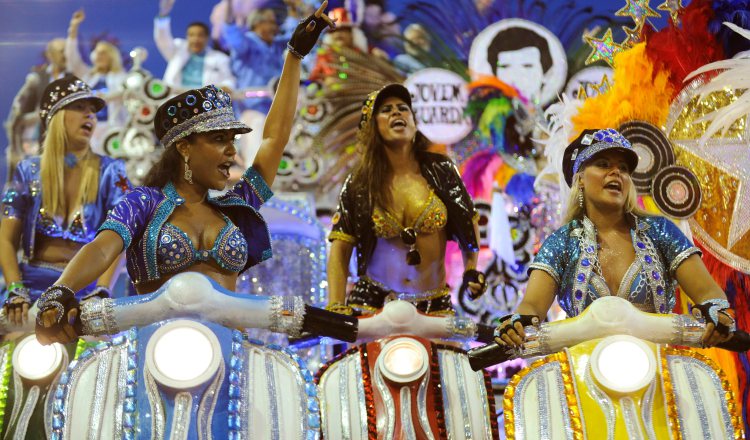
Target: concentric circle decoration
677,192
286,167
314,111
308,169
113,144
156,89
145,115
654,152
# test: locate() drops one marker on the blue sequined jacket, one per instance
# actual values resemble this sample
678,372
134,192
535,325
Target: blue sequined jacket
570,257
139,217
23,200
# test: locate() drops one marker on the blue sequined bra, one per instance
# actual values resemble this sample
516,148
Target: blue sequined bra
76,231
176,252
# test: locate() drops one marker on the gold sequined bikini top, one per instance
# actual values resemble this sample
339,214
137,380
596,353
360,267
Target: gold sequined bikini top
433,218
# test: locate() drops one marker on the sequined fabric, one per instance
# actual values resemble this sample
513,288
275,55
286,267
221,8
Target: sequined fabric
722,224
76,231
353,219
23,200
176,252
139,219
196,111
369,296
570,257
433,217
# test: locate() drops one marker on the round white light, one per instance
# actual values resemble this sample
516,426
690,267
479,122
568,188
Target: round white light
183,354
34,361
403,360
623,364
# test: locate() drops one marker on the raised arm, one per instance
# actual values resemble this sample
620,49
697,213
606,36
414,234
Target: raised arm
163,30
280,118
73,61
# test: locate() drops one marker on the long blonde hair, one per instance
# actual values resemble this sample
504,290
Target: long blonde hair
115,58
574,211
52,170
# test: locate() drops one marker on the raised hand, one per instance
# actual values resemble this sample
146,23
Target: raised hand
77,18
165,7
308,30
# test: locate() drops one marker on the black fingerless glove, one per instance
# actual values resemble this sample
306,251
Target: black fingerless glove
303,40
18,295
474,276
710,309
508,322
62,299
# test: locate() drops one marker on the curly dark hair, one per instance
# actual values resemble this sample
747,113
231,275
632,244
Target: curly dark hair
166,169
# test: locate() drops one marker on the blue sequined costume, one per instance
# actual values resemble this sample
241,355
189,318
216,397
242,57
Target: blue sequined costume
140,219
569,256
23,200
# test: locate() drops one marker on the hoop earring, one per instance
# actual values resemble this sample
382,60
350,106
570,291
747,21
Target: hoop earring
580,197
188,176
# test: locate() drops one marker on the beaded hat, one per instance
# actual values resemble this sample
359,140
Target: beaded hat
377,97
196,111
62,92
592,142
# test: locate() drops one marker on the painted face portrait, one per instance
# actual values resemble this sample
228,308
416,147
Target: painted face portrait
524,55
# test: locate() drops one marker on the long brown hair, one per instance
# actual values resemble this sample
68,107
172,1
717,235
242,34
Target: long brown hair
373,169
166,169
52,170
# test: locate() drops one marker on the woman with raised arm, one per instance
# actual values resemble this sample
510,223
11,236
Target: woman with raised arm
105,75
55,202
399,208
609,246
172,225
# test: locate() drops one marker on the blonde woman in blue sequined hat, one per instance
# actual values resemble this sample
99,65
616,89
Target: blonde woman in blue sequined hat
54,204
171,225
611,247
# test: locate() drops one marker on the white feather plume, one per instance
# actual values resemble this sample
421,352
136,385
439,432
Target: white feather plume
558,133
734,75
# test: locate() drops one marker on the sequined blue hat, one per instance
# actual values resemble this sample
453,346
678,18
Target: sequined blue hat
64,91
590,143
196,111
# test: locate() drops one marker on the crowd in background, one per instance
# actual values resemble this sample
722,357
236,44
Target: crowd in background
240,50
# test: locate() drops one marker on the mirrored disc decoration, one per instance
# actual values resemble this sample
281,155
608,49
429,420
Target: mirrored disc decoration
654,152
112,144
156,89
145,115
677,192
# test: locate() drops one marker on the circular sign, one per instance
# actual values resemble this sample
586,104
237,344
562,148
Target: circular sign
654,152
439,98
677,192
525,55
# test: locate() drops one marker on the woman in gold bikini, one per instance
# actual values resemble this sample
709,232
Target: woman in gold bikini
399,208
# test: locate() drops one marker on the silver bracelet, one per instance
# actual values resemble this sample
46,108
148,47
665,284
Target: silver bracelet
98,318
287,315
462,327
